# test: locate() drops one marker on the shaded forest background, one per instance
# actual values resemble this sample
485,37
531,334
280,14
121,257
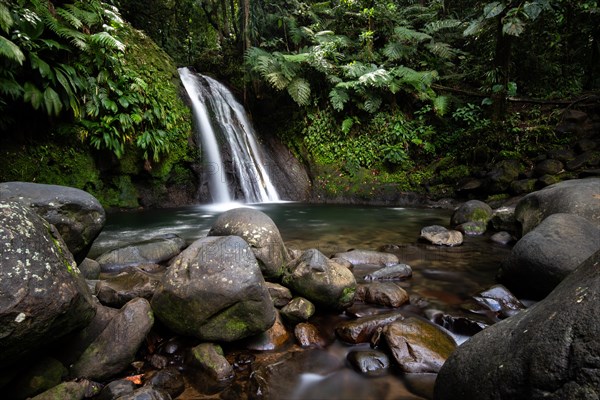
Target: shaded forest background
418,94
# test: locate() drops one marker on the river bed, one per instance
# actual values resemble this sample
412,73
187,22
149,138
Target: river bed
443,279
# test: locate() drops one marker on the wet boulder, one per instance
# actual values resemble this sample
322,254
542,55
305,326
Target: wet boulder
356,257
271,339
369,362
308,335
116,291
279,293
261,234
298,309
169,380
395,272
503,219
472,211
72,390
417,345
147,393
156,250
77,215
577,196
386,294
441,236
503,173
116,346
213,367
321,280
214,290
549,351
500,301
43,296
361,330
547,254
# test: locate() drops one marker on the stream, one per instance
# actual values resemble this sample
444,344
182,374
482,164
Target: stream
443,279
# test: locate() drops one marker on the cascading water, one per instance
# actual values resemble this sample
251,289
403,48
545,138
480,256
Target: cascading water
217,111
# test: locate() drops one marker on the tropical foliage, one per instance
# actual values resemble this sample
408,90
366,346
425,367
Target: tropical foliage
70,61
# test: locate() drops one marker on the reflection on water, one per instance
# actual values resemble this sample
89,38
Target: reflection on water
443,278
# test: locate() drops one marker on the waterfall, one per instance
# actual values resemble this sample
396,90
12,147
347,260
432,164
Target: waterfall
217,112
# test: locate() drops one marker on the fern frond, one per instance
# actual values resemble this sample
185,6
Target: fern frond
441,105
69,17
32,95
372,103
9,86
299,90
398,51
436,26
378,78
6,20
11,51
442,50
104,39
338,98
404,33
52,103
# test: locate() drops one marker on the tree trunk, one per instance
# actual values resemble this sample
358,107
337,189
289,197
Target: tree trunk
502,59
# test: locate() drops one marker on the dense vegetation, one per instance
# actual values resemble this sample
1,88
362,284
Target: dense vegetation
379,91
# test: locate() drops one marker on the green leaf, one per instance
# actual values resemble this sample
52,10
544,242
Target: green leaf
532,10
6,20
11,51
440,105
474,27
347,124
513,27
511,89
338,98
32,95
52,102
493,9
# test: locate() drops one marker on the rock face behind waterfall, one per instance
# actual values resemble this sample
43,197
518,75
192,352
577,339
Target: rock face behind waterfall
260,232
214,290
43,296
76,214
549,351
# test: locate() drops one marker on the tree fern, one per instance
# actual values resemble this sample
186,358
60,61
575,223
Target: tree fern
338,97
436,26
406,34
442,50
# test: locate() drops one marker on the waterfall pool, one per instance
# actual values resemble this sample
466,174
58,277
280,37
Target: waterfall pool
443,278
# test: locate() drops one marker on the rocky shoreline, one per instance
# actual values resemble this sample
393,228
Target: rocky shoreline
132,323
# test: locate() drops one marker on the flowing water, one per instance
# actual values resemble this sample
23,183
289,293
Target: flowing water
222,126
443,279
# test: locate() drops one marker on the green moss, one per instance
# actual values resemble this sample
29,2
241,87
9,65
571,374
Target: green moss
480,215
347,295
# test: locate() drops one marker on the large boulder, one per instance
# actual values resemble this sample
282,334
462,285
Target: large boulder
321,280
260,232
43,296
472,211
214,290
577,196
546,255
116,346
155,250
76,214
549,351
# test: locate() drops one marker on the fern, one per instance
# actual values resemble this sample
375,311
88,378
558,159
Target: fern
338,98
442,50
299,90
372,103
436,26
52,104
441,105
378,78
11,51
396,51
404,33
6,20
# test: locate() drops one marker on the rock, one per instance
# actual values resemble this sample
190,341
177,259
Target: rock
356,257
396,272
75,390
472,211
418,346
308,335
549,351
116,291
386,294
548,167
214,290
547,254
503,219
499,300
272,339
77,215
562,155
116,389
577,196
361,330
279,294
115,348
168,380
210,359
585,144
43,375
589,158
523,186
473,228
438,235
503,238
146,393
321,280
298,309
457,324
43,296
369,362
153,251
502,174
260,232
89,268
